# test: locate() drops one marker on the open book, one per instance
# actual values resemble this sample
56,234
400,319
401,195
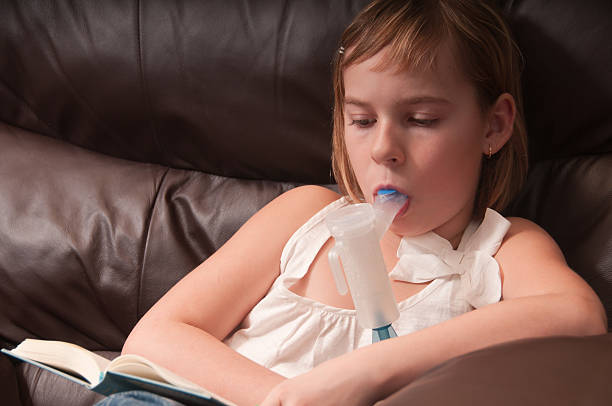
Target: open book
124,373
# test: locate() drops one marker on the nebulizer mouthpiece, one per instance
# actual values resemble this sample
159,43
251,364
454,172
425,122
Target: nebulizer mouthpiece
357,230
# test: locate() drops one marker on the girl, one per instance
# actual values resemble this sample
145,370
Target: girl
427,102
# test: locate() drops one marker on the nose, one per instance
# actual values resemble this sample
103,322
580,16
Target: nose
387,148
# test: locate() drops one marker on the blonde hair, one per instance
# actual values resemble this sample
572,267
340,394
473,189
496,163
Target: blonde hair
412,31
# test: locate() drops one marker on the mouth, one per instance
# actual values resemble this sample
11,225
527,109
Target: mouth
389,189
403,209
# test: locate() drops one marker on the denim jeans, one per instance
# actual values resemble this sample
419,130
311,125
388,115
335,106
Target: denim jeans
137,398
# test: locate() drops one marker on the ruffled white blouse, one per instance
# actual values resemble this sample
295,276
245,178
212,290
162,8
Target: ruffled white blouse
291,334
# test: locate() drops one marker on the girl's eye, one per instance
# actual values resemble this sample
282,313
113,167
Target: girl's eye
364,122
420,122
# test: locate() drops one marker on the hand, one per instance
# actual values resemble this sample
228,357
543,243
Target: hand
335,382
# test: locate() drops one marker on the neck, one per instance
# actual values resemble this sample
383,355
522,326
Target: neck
453,229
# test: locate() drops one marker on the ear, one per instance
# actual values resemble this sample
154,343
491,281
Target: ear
500,124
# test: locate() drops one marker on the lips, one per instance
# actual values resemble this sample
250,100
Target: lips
388,187
404,208
384,187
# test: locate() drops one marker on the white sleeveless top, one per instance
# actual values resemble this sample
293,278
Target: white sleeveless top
291,334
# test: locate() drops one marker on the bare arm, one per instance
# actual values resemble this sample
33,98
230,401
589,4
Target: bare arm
541,297
184,329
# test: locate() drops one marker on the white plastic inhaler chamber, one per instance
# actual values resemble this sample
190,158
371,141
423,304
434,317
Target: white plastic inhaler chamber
357,230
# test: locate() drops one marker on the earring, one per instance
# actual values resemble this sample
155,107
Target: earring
490,154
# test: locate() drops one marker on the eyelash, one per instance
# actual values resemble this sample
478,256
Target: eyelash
424,122
362,123
365,123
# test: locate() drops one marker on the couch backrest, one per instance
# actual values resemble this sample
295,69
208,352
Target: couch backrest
166,125
568,107
238,89
136,137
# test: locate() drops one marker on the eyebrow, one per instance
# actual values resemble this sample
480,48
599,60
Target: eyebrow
402,102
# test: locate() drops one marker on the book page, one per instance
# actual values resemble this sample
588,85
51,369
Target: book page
65,356
136,365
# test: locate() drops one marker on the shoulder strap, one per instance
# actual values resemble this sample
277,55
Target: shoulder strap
302,243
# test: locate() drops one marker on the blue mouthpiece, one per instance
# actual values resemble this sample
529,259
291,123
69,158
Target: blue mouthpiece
382,192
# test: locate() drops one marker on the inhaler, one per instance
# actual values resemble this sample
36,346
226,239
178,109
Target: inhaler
357,230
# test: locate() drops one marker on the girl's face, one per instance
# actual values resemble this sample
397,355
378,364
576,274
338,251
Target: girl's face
421,133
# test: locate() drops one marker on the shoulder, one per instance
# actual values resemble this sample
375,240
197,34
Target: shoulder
524,234
532,264
531,261
526,244
293,208
302,202
310,196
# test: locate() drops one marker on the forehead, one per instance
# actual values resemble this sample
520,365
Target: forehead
377,74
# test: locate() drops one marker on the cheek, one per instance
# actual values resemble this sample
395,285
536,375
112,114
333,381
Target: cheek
452,162
467,143
358,155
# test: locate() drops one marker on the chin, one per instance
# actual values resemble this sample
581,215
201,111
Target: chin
405,230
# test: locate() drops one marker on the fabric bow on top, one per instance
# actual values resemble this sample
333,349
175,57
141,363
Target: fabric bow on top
428,256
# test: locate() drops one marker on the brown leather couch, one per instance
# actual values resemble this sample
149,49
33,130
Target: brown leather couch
137,136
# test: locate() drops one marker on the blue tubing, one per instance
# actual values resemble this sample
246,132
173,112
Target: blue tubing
382,333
